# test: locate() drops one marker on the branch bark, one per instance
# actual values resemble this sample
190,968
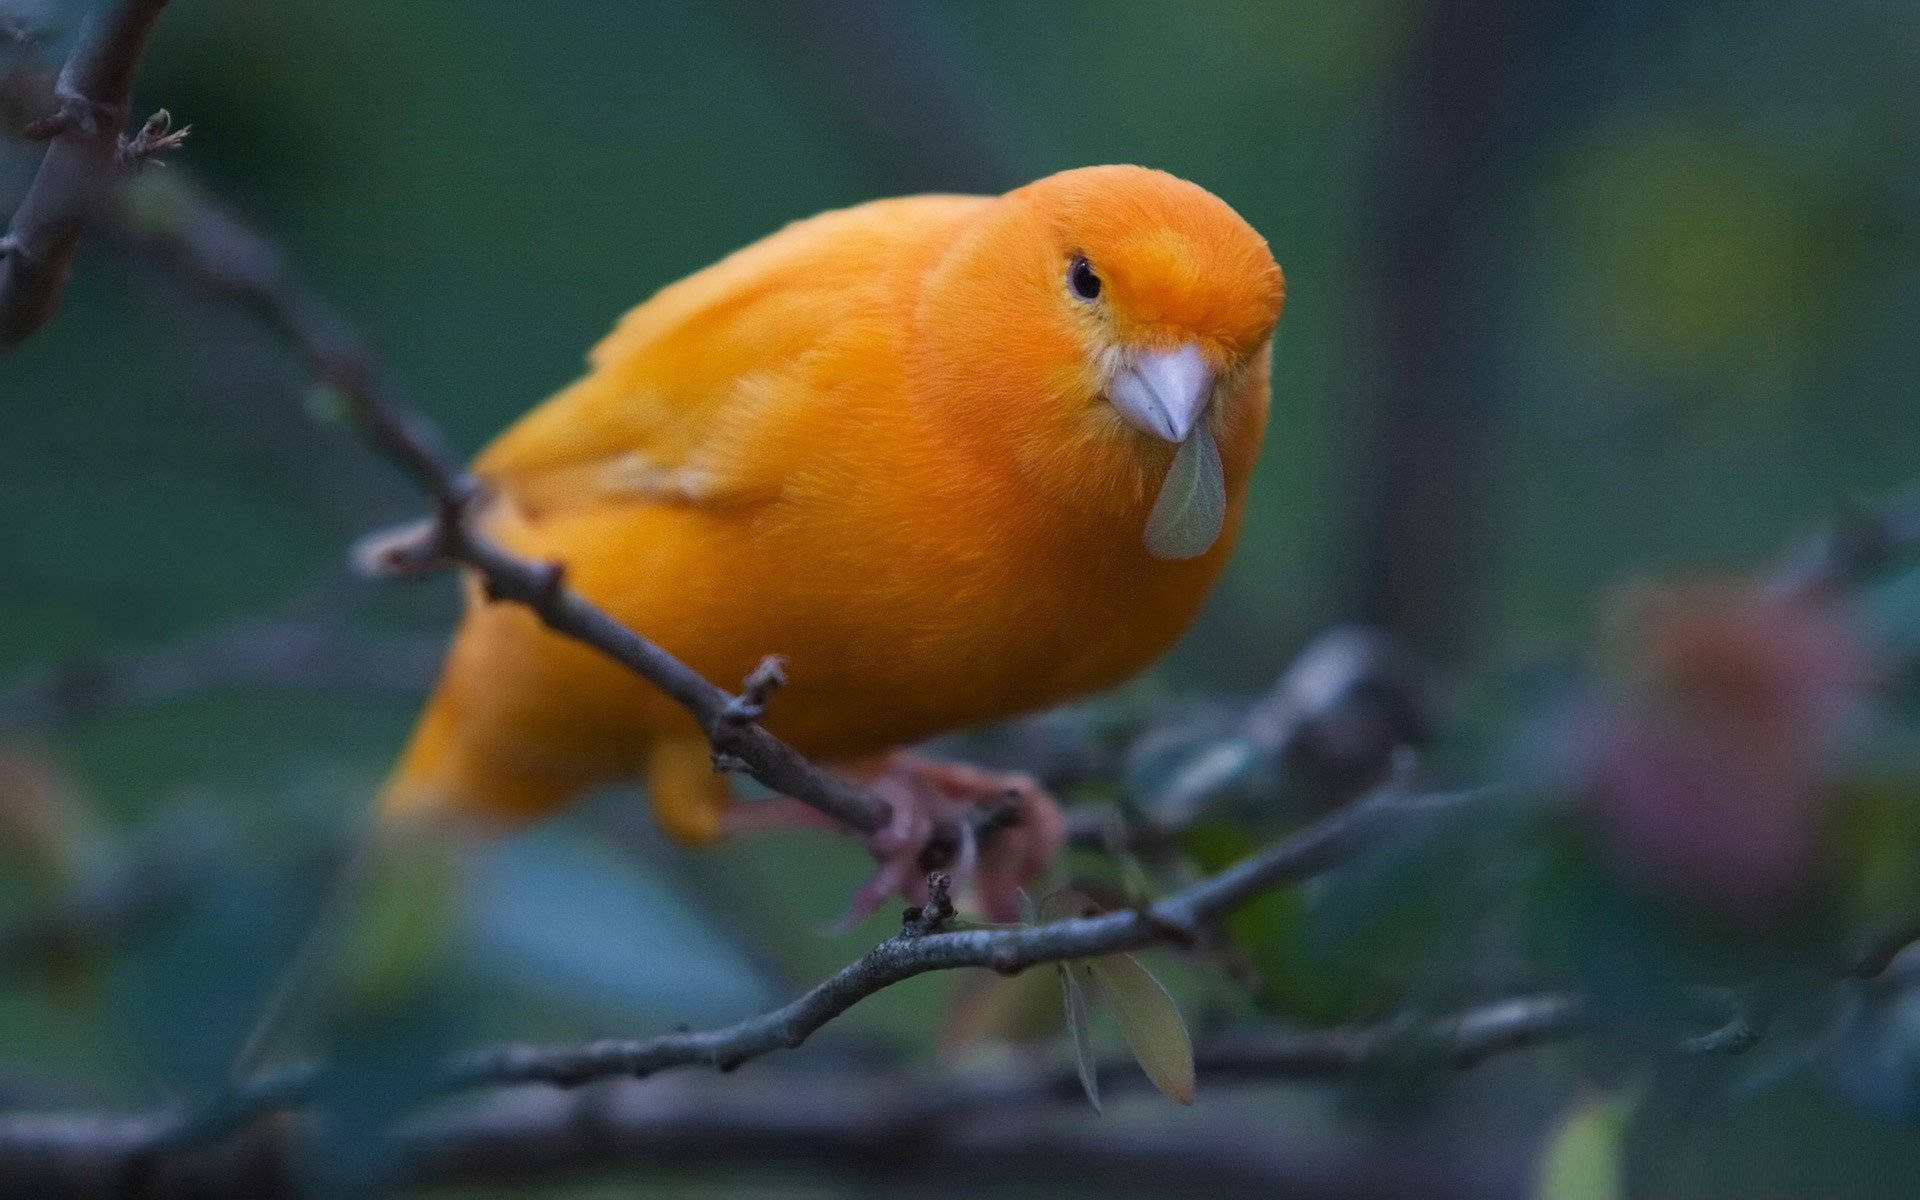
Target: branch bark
82,166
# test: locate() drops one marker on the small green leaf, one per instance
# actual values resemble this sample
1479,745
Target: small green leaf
1582,1161
1080,1028
1192,504
1152,1025
400,925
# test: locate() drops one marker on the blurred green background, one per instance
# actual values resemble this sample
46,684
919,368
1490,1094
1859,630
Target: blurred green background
1575,292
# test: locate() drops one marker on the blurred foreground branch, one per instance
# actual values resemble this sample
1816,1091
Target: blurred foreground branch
965,1135
524,1132
965,1127
85,161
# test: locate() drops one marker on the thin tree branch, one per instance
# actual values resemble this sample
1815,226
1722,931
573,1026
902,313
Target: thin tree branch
211,245
1175,919
82,166
916,950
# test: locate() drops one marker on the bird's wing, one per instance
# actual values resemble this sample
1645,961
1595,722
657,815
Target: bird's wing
699,395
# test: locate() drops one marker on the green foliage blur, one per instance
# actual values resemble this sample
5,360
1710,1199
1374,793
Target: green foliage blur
1693,285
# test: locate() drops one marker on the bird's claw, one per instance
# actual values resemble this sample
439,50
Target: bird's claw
924,793
995,835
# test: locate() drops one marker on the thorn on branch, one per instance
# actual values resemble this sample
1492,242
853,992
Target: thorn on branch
75,112
761,683
156,137
937,911
80,168
745,710
416,548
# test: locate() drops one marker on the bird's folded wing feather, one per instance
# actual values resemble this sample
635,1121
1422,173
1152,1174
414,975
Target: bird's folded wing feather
707,393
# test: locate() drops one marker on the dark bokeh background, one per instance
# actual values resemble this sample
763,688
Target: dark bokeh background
1576,292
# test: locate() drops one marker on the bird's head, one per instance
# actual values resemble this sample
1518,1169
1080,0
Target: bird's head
1105,332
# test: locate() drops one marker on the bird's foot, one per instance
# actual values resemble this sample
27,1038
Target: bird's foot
993,863
929,799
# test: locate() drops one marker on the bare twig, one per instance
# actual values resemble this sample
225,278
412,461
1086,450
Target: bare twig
81,168
1305,853
919,948
211,245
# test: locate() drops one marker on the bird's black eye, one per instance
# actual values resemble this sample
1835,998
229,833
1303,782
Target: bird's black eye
1082,280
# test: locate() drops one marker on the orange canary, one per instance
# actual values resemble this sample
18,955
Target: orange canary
953,457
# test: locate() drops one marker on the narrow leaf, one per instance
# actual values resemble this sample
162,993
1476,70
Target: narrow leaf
1080,1029
1192,504
1152,1025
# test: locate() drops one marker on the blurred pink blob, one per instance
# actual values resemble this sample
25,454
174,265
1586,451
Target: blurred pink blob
1705,779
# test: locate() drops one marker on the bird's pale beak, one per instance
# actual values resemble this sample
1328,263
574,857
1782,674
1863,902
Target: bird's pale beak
1165,393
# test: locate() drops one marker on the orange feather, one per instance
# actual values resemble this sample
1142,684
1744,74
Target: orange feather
879,443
